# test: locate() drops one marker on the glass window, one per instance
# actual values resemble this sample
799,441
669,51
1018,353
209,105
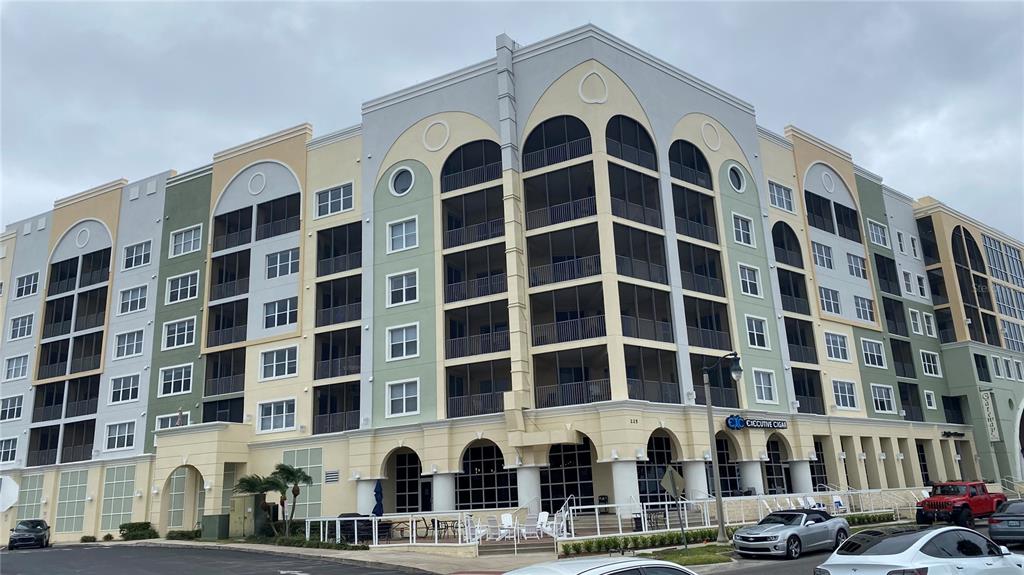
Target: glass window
26,285
403,397
9,450
921,289
133,299
334,200
900,244
401,181
179,333
128,344
874,542
16,368
857,266
277,415
186,241
845,393
929,325
882,397
764,386
184,287
125,388
736,179
873,352
71,498
757,332
403,342
174,380
280,362
743,230
878,233
21,327
836,347
10,408
118,496
908,283
829,300
173,420
915,321
121,435
781,197
137,255
865,308
283,263
281,312
402,235
750,280
929,399
402,288
822,255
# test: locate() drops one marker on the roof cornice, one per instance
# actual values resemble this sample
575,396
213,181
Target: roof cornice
927,205
190,175
774,138
431,85
334,137
90,193
868,175
792,131
288,133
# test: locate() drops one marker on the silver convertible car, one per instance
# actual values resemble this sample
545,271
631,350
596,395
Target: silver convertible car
790,533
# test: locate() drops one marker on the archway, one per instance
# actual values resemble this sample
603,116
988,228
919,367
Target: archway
555,140
570,472
184,499
776,468
660,456
405,490
471,164
728,469
687,163
485,483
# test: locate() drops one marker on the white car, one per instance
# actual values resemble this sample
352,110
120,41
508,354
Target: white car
604,566
916,550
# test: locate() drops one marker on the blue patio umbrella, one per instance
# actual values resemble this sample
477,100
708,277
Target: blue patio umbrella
378,497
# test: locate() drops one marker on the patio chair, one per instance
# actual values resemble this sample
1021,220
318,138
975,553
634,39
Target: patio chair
544,524
508,524
837,505
530,527
494,532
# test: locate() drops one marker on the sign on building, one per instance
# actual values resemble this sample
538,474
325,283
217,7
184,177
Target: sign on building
988,407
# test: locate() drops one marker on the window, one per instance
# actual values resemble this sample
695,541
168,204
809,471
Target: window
881,396
128,344
10,408
403,397
819,212
137,255
8,450
277,415
71,497
281,312
403,342
908,283
175,380
822,255
282,263
743,230
30,497
780,196
757,332
401,181
1008,370
930,363
334,200
179,333
16,368
900,244
118,493
836,346
929,325
921,291
402,235
21,327
183,287
279,362
857,266
829,300
124,388
878,233
764,386
312,460
736,179
873,352
750,280
120,435
186,241
929,399
997,368
133,299
173,420
915,321
402,288
1020,369
865,308
26,285
913,247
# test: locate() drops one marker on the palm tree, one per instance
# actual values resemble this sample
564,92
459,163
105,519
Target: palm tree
293,476
278,485
256,484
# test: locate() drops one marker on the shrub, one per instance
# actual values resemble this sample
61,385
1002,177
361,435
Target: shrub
138,530
188,535
108,537
301,542
87,539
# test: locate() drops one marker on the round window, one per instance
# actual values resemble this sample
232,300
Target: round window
401,181
736,178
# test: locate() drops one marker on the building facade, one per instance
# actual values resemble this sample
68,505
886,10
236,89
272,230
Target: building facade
504,288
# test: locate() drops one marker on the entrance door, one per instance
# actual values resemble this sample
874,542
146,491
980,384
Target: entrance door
426,496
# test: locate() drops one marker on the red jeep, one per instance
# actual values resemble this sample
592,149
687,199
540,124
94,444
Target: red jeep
958,502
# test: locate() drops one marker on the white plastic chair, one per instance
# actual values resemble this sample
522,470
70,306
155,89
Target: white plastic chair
508,525
494,531
837,505
530,527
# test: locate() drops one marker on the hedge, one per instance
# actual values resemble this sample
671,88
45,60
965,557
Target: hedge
108,537
184,535
295,541
138,530
87,539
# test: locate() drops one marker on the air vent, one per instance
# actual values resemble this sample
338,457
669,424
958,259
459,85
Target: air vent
331,476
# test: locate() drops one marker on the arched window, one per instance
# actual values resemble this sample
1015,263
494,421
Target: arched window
687,163
558,139
959,253
404,470
628,140
787,246
471,164
569,472
484,482
728,469
776,472
649,473
974,254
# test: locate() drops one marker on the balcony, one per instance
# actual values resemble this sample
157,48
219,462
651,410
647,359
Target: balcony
229,289
224,385
476,344
720,396
338,264
471,177
796,304
709,338
42,457
567,270
232,239
555,154
636,212
575,393
788,257
477,404
81,407
57,328
94,276
810,404
640,269
559,213
59,286
89,321
696,230
335,422
85,363
46,371
339,314
802,353
74,453
474,233
337,367
654,391
905,369
647,329
226,335
703,284
47,412
954,415
569,330
913,413
479,287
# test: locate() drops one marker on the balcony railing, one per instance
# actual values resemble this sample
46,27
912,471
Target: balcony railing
94,277
913,413
277,228
225,336
696,230
640,269
336,264
60,286
76,453
479,287
796,304
337,367
710,338
890,286
576,393
905,369
47,412
947,335
476,344
471,177
229,289
53,370
636,212
647,329
56,328
703,284
89,321
339,314
42,457
688,174
811,404
335,422
720,396
555,154
233,239
474,233
656,391
559,213
222,385
478,404
85,363
567,270
803,353
788,257
81,407
954,416
569,330
631,154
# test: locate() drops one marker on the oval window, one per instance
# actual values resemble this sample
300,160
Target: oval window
736,178
401,181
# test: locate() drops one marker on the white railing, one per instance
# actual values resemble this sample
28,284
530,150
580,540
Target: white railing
439,527
1011,485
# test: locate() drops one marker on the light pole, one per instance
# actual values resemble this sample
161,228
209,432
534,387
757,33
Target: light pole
735,370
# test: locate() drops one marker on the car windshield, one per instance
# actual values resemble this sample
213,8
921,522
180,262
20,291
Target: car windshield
949,490
782,519
31,525
879,542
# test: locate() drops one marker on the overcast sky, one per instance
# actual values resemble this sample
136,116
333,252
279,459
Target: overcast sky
930,96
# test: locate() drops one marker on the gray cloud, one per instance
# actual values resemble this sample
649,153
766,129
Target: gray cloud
929,95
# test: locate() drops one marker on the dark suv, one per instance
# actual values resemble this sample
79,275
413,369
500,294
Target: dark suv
29,533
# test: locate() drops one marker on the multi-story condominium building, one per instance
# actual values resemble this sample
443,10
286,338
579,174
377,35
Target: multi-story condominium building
504,287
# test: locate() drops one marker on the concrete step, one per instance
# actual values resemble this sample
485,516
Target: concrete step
544,545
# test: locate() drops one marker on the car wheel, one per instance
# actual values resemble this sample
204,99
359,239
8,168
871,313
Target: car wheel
923,519
840,537
793,547
965,518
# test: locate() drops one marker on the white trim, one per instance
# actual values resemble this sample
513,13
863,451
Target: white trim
167,288
106,435
266,264
863,355
160,379
775,386
925,316
938,363
846,338
760,283
853,386
124,254
13,459
39,278
920,321
163,332
187,415
892,397
21,408
753,235
387,341
387,397
115,357
10,327
387,234
728,173
746,332
316,200
170,241
387,288
929,393
27,367
121,292
887,237
276,377
295,416
791,196
110,389
391,181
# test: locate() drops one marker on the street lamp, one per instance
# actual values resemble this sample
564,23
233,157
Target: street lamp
735,371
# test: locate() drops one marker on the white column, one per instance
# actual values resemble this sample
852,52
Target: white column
444,491
625,487
364,496
800,474
528,487
696,476
751,477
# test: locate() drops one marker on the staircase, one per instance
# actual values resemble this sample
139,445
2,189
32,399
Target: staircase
586,524
542,545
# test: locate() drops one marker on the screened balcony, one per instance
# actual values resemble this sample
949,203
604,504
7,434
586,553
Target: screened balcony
474,217
695,214
49,402
707,323
937,287
57,317
560,196
564,255
91,310
687,163
339,301
800,339
229,275
278,217
635,196
86,351
337,353
476,330
902,358
229,410
478,388
888,276
651,375
471,164
83,396
336,408
77,442
339,249
895,317
723,388
807,389
95,268
475,273
53,359
700,269
232,229
787,246
43,445
646,313
556,140
910,402
228,323
63,276
225,372
793,292
569,314
952,408
572,377
628,141
640,254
